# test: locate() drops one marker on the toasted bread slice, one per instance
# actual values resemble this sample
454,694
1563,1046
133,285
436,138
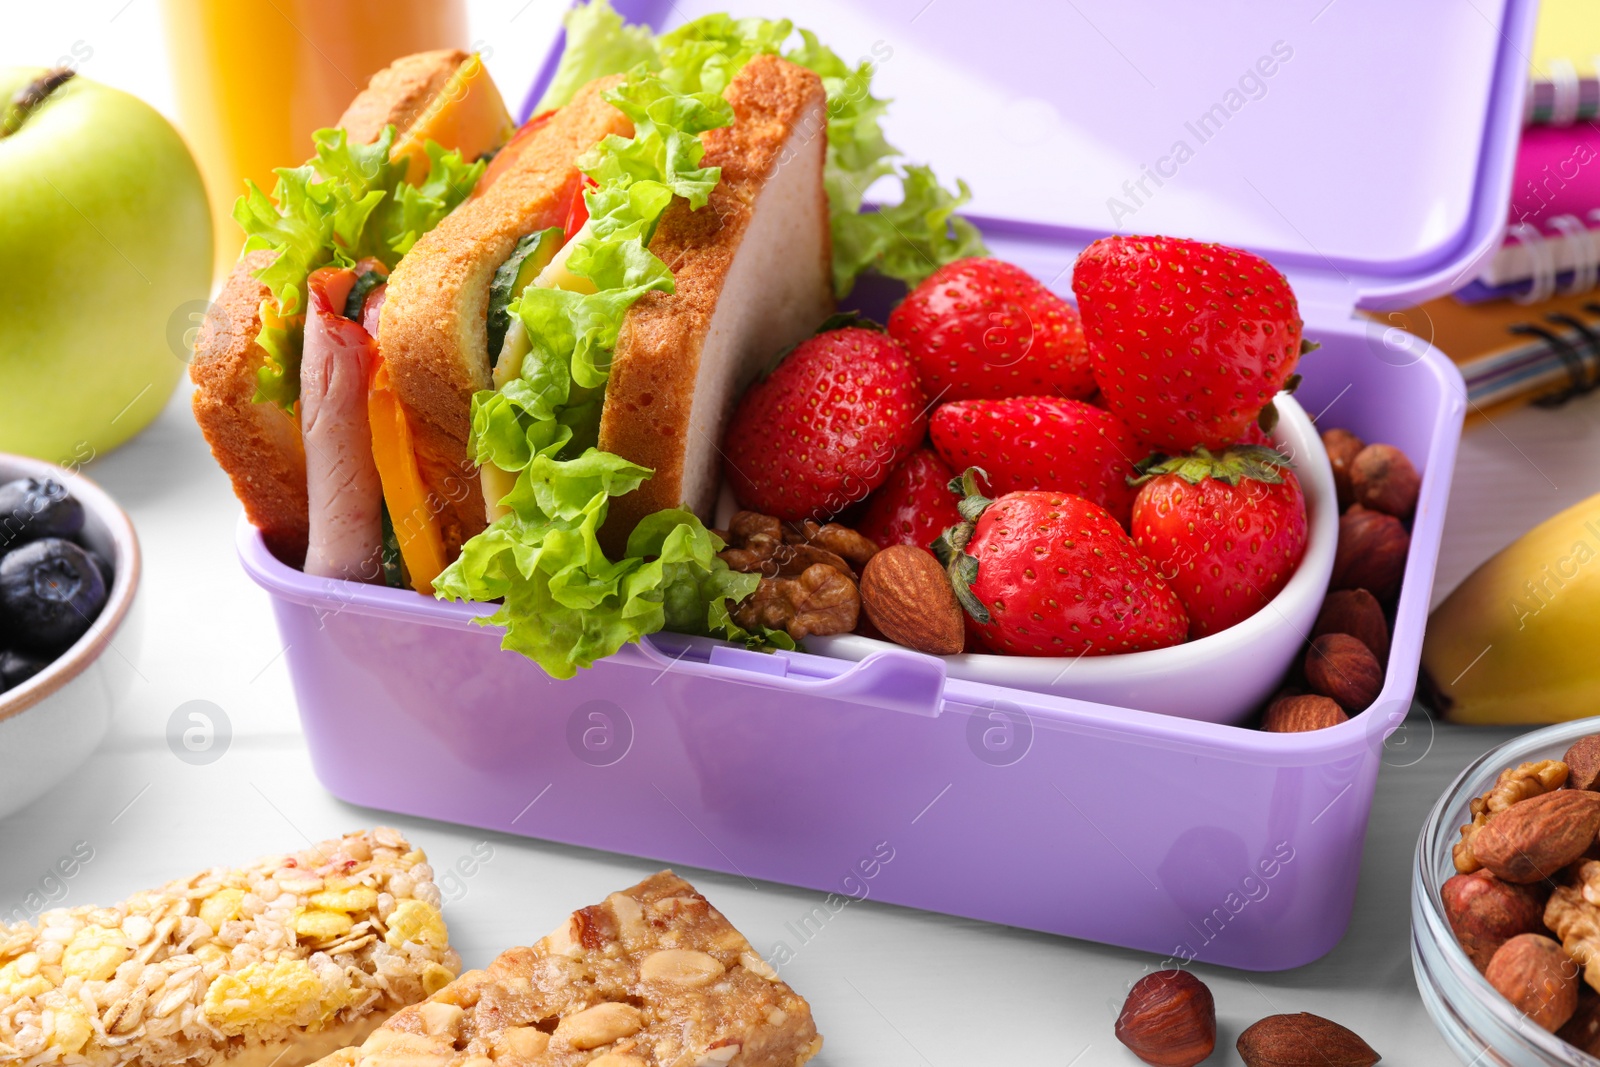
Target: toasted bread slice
752,272
433,332
399,94
258,445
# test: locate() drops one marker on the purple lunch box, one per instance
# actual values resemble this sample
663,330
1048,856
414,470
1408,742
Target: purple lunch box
1365,148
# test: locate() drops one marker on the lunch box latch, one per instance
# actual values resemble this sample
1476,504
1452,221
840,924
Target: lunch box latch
742,659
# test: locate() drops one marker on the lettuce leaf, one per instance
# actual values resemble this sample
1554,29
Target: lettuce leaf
597,44
346,203
565,604
908,240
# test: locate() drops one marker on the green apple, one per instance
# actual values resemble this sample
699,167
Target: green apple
105,238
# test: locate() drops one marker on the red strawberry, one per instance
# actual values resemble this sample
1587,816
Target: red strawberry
1042,442
1049,574
914,506
984,328
1228,531
1189,342
826,427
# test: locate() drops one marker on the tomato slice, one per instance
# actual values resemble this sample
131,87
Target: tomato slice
578,210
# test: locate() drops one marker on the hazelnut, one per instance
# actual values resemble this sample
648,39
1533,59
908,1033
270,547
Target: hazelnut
1355,612
1485,913
1582,1031
1342,446
1383,479
1302,712
1538,977
1341,667
1169,1019
1371,553
1583,763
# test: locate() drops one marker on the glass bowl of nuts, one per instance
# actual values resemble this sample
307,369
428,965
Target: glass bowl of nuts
1505,903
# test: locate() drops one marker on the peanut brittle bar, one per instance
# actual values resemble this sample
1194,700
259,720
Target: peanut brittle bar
276,963
653,977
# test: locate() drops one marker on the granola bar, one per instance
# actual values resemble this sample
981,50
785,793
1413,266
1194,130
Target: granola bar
276,963
652,977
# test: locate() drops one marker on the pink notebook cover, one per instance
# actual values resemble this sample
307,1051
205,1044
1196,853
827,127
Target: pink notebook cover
1558,173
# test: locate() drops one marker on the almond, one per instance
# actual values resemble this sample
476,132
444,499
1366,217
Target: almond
1300,713
1538,977
1341,667
907,596
1355,612
1169,1019
1583,763
1302,1040
1485,913
1534,839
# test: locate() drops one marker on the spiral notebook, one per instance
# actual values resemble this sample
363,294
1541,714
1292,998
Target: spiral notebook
1552,240
1512,353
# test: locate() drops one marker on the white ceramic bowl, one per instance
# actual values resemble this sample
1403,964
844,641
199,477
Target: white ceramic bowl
1223,677
50,723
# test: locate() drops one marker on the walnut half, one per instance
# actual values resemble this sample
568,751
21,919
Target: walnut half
821,601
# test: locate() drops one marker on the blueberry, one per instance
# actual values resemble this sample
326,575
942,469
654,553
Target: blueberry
50,592
17,667
31,508
103,565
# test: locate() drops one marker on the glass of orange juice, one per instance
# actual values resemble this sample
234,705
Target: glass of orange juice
256,77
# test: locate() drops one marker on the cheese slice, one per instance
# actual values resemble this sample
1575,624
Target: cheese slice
416,524
556,275
468,115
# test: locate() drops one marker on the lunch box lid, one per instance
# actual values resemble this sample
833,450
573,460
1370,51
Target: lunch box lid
1365,147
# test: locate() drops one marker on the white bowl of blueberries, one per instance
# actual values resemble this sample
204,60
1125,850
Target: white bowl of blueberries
69,568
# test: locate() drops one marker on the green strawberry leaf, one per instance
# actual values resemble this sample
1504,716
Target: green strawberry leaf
1260,463
950,548
963,572
965,485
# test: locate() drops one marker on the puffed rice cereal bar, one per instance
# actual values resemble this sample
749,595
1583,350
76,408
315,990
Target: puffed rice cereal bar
652,977
276,963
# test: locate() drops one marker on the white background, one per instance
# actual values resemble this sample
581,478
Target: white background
889,986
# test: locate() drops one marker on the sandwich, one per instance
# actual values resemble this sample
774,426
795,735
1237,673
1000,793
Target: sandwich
549,366
402,156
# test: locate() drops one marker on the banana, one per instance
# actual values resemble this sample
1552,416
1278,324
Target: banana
1519,640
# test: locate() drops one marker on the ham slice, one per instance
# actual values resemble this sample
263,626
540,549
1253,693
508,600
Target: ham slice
344,496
